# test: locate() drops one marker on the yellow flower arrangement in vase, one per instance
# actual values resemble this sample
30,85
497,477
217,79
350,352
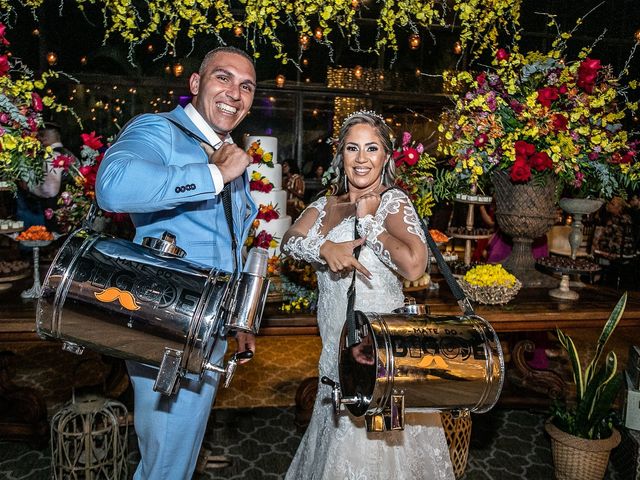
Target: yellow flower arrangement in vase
490,284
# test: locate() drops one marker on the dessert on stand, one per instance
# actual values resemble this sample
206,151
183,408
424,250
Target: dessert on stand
566,266
469,232
35,237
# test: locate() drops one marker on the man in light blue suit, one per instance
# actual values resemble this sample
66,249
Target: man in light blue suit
168,171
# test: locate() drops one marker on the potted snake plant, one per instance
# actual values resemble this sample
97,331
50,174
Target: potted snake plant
581,431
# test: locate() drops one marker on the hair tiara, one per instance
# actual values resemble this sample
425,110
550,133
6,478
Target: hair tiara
369,113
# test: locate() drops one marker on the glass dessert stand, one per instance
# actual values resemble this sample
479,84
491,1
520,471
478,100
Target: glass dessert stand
35,245
565,266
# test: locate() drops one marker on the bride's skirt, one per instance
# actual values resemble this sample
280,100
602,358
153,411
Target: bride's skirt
342,449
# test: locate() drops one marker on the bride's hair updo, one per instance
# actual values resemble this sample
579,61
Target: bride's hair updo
385,134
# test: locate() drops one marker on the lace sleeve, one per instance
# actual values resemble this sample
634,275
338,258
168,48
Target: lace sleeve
301,246
396,228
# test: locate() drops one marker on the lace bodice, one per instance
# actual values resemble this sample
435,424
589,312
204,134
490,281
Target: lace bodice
343,450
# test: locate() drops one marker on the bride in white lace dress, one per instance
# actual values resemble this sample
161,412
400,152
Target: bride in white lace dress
393,246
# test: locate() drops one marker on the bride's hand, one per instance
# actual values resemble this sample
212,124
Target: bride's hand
367,204
339,256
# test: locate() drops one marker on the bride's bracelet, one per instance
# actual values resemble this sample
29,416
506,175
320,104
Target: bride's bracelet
305,248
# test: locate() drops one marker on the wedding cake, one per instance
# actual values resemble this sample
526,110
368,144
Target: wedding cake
265,177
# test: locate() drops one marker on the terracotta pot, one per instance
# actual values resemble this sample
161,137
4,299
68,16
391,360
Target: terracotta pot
578,458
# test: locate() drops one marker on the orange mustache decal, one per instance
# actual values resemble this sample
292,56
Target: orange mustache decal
125,298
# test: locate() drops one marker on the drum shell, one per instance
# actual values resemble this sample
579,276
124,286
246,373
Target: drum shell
435,362
162,302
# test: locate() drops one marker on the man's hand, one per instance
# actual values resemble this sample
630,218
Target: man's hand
339,256
230,159
245,341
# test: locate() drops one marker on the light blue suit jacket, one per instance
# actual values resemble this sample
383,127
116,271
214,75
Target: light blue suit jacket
159,175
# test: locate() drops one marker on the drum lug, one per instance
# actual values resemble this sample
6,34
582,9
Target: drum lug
168,373
73,348
392,417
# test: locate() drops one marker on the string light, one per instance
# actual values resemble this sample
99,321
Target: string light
238,30
457,48
83,60
35,32
357,72
304,41
318,33
637,36
52,58
178,69
280,79
305,62
418,72
150,48
414,41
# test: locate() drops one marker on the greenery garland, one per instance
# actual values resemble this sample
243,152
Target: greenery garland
263,21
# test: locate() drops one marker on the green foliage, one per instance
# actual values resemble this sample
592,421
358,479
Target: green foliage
596,387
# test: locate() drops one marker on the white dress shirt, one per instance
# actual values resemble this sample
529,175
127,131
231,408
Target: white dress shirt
213,138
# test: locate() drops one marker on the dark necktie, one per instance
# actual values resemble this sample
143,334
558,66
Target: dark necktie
226,204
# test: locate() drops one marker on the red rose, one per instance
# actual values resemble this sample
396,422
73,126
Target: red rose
4,65
563,89
547,95
559,122
92,140
524,150
502,54
481,140
588,73
540,161
89,173
520,172
481,79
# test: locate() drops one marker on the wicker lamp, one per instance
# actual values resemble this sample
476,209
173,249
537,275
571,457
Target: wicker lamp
89,439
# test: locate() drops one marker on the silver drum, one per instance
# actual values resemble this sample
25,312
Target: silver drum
134,302
417,361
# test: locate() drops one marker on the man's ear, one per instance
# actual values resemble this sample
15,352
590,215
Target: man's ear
194,83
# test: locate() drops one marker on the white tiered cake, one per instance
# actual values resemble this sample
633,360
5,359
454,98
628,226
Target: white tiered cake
265,175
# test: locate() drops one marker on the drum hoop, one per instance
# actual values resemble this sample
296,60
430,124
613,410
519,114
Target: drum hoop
196,321
481,325
67,279
389,366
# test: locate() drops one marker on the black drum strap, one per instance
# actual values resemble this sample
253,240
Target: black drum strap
352,335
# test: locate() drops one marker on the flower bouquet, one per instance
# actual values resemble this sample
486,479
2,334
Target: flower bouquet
490,284
21,153
417,174
78,190
538,115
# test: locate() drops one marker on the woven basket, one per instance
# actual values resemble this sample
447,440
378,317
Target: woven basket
578,458
458,432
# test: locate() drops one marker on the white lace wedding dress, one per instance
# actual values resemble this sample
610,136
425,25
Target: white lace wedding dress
341,448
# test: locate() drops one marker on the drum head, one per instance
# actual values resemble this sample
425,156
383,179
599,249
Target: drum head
358,366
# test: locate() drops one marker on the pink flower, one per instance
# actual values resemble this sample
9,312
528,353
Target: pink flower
48,214
481,79
406,138
578,181
410,156
92,140
502,54
36,102
4,65
3,29
66,197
